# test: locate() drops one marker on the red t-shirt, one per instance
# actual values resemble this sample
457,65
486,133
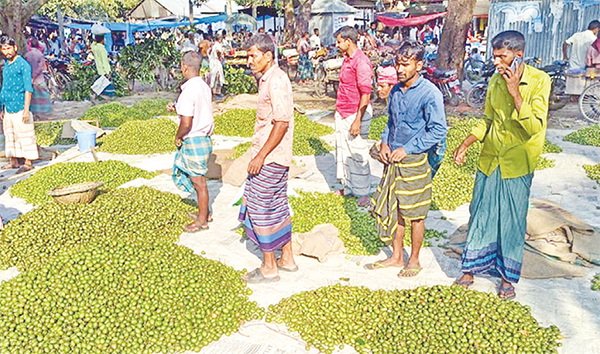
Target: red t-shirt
355,80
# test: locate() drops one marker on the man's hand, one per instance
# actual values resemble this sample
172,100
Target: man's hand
513,79
25,116
384,153
355,127
171,107
178,142
460,154
256,165
398,155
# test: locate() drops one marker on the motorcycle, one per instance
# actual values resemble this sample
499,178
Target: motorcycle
476,95
558,96
447,82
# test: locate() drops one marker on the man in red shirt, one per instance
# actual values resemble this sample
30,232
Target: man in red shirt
353,118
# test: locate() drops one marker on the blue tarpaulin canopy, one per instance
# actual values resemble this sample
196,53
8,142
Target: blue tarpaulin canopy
144,26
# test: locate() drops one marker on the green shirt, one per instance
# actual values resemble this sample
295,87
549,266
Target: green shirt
101,58
514,140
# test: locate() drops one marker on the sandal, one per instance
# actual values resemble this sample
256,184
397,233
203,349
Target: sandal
377,265
464,283
194,227
287,269
506,292
24,168
256,277
409,272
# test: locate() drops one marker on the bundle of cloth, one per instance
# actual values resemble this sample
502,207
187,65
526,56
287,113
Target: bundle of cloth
558,244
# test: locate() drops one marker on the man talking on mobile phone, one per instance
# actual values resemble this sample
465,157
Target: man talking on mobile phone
513,131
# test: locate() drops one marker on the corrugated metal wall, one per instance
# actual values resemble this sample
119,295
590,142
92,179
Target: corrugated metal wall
545,42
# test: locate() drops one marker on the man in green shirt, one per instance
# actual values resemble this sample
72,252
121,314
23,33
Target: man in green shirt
102,67
513,131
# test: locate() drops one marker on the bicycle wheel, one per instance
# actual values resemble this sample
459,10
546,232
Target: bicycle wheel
320,81
589,103
476,96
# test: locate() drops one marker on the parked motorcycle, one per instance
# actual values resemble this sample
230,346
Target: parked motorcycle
447,82
476,95
558,96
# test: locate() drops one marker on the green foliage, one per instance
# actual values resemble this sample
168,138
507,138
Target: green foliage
593,172
82,79
140,61
141,137
237,81
124,213
114,114
585,136
88,9
113,173
438,319
118,296
240,122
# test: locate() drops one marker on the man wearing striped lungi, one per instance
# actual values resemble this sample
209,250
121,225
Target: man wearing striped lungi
416,123
513,131
265,211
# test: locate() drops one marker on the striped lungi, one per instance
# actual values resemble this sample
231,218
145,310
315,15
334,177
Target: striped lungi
191,160
265,210
497,226
352,154
19,137
405,188
40,98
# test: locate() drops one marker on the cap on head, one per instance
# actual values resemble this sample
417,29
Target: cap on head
387,75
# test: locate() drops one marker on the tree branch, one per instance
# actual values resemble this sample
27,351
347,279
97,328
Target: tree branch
31,8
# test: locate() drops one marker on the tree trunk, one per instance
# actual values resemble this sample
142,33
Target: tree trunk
14,16
451,51
303,17
290,22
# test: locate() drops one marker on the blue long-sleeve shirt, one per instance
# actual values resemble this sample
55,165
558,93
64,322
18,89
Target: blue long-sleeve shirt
16,80
417,120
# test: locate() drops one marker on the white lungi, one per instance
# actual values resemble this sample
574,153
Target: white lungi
19,137
352,154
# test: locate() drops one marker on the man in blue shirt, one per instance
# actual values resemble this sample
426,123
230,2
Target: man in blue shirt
15,99
416,124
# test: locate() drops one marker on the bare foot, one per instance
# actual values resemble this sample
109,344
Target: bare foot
392,262
287,264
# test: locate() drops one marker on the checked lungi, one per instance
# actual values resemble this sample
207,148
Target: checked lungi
265,210
19,137
191,160
405,186
497,226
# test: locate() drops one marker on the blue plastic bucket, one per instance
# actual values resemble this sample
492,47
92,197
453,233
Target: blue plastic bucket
86,139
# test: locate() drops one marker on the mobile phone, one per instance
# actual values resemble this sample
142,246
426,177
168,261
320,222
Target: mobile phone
516,61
